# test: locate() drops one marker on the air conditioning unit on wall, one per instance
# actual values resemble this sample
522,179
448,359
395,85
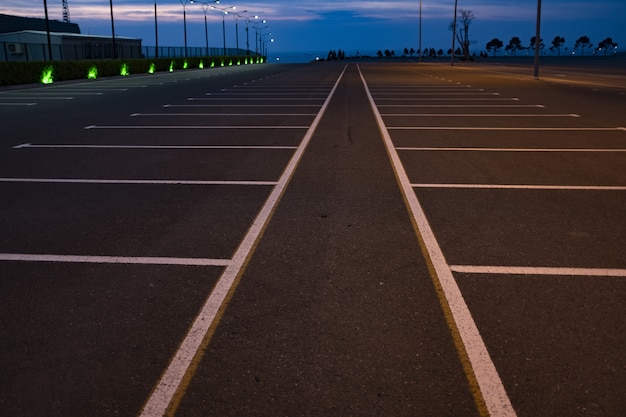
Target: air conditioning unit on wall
15,48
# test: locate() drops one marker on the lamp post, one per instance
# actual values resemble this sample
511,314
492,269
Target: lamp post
205,7
45,6
224,12
420,37
156,32
184,4
113,31
237,16
453,34
537,40
248,35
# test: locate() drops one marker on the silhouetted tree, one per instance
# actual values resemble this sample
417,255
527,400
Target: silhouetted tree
464,21
412,51
494,45
582,42
557,42
606,44
379,53
515,44
532,43
440,52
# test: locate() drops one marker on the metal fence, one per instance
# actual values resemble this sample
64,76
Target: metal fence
24,52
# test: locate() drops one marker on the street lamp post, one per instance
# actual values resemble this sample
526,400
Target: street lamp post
156,32
113,31
238,16
224,12
420,40
205,7
453,34
184,4
537,40
45,6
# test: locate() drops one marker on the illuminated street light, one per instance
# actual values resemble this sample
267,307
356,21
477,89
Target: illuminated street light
537,40
156,32
224,12
238,16
205,7
453,33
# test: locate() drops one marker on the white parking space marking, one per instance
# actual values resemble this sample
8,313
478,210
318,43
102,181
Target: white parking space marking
137,182
497,106
431,149
113,259
489,382
474,115
18,104
221,114
524,270
524,187
193,127
241,105
563,129
194,147
179,367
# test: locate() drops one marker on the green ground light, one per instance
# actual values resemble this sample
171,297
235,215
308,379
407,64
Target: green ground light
152,68
185,64
172,66
92,74
201,65
46,75
124,70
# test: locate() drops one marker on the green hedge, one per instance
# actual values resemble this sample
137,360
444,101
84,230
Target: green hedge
14,73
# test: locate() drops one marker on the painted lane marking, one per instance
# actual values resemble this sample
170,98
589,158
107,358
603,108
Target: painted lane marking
142,260
253,99
30,145
564,129
192,127
487,388
498,106
18,104
525,187
449,99
33,97
170,388
475,115
525,270
136,182
241,105
222,114
427,149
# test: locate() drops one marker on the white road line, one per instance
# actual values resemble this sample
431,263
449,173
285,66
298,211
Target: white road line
192,127
18,104
242,105
171,380
450,99
564,129
430,149
499,106
194,147
459,93
252,99
475,115
222,114
488,380
33,97
525,187
523,270
137,182
142,260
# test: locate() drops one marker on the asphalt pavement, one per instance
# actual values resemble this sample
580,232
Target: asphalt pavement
350,238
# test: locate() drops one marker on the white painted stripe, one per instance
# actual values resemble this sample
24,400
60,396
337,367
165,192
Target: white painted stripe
194,147
525,187
18,104
242,105
222,114
192,127
137,182
456,93
524,270
34,97
564,129
493,392
22,257
449,99
253,99
169,383
451,149
475,115
498,106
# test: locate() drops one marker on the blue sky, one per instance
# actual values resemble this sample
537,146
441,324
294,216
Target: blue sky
314,27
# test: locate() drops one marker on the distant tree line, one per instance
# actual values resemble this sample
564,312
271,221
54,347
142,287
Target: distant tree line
515,45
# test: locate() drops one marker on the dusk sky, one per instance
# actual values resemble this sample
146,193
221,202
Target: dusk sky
314,27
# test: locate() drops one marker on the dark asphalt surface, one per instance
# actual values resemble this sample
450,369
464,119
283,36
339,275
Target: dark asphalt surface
337,311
